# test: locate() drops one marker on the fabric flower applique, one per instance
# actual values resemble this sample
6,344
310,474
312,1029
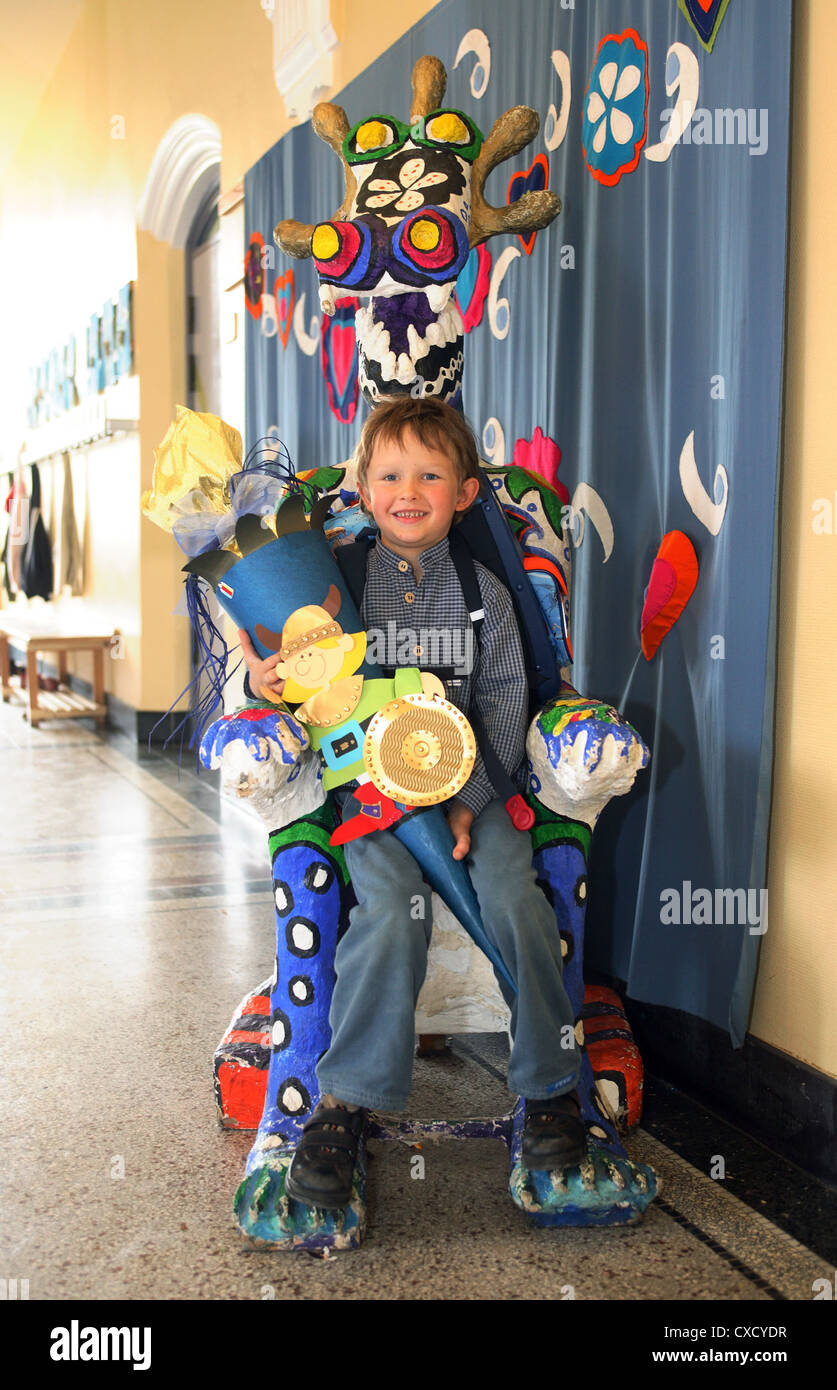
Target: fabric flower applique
408,180
542,455
615,107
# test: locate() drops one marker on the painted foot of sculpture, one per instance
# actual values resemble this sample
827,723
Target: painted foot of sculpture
269,1217
608,1189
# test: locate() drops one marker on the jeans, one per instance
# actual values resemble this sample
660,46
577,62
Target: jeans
381,963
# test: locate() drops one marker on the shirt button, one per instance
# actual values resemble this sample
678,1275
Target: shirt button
418,651
403,566
408,597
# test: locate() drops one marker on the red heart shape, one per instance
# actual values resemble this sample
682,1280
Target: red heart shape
342,346
674,575
661,586
284,293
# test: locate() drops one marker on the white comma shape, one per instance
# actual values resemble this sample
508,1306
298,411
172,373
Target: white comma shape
681,61
555,125
499,313
710,513
586,499
494,442
306,342
476,42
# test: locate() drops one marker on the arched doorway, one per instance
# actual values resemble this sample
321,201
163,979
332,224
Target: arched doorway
179,207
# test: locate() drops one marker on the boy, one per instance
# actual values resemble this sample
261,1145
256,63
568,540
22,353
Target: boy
417,469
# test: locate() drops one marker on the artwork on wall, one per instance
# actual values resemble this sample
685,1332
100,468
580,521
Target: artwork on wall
705,18
638,348
123,341
83,366
95,356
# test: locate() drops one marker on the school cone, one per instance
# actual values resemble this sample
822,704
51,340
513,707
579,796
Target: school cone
426,834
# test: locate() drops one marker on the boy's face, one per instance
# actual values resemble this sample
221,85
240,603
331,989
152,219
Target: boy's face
413,493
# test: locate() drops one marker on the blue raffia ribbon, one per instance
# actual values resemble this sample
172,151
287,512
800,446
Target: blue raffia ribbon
211,665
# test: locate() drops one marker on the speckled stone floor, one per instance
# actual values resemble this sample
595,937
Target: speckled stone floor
136,912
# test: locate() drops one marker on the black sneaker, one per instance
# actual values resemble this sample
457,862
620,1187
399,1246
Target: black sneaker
323,1166
554,1135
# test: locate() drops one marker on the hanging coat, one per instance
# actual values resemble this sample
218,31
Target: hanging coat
70,566
17,504
36,566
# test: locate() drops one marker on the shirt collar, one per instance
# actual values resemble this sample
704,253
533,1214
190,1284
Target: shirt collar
427,560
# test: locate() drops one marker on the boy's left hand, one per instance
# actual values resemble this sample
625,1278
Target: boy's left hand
460,820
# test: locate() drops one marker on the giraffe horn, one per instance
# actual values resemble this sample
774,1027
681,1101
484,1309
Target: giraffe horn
294,238
429,83
332,125
530,213
536,209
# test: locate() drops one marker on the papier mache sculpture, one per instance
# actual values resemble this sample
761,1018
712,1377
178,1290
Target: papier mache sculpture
413,211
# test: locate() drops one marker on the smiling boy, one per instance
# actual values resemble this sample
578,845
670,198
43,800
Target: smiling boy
417,470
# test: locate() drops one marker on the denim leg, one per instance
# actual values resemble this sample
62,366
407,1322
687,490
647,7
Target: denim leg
380,964
520,922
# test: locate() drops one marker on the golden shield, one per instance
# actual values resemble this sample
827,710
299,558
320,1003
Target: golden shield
419,749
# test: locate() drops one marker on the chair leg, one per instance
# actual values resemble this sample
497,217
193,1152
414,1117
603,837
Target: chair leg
32,685
5,665
432,1045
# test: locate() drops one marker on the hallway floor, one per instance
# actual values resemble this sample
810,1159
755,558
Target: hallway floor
136,912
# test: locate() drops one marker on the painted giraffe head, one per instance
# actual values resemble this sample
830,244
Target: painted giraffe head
412,211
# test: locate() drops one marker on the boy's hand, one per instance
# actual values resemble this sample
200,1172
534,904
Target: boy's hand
263,677
460,820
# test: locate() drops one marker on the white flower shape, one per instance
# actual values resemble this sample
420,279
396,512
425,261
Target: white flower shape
407,181
614,124
621,125
412,178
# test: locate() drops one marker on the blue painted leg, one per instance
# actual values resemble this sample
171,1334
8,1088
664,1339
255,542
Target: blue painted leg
608,1189
268,1216
309,888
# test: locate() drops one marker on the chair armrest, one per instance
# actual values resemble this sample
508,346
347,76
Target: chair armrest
264,756
582,753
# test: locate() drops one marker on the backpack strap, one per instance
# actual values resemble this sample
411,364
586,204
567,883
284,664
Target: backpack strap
466,572
521,815
352,560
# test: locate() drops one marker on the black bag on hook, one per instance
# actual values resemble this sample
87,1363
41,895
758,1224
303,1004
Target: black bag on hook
36,571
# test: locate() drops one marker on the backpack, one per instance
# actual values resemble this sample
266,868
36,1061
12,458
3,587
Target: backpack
483,534
524,551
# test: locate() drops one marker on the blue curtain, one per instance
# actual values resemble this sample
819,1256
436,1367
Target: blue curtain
642,333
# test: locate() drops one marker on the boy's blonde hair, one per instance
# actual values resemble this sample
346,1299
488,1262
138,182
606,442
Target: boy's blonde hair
435,425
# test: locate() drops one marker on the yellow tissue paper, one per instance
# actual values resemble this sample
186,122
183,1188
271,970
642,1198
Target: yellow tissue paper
192,468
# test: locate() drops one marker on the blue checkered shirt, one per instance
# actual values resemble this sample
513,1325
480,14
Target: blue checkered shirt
496,684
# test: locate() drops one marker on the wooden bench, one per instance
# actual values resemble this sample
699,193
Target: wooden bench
43,632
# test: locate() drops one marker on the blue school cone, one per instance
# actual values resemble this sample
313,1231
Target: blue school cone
426,834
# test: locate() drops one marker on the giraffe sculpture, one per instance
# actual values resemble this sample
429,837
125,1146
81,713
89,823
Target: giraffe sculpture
413,210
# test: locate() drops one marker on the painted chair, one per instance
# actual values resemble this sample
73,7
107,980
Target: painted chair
412,213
